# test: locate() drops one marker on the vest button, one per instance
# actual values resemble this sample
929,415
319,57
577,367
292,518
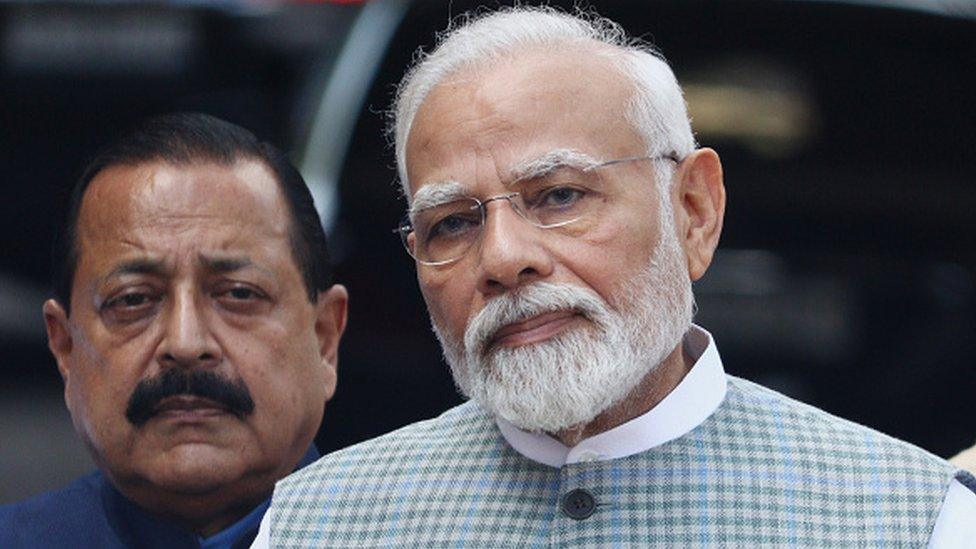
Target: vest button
578,504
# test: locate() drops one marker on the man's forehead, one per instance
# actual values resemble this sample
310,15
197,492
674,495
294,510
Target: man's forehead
125,197
169,215
520,111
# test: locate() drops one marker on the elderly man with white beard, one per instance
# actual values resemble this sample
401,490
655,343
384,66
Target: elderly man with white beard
558,212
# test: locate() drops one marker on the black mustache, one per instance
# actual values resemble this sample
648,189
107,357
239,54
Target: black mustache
231,394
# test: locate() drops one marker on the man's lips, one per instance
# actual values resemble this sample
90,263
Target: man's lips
185,406
534,329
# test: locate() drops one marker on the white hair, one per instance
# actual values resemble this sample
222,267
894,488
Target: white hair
656,111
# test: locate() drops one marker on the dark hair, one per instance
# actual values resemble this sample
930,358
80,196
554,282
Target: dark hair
186,138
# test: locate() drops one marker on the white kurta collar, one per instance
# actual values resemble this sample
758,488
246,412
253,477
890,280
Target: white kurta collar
690,403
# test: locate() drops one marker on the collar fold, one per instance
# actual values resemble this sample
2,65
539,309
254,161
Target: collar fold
695,398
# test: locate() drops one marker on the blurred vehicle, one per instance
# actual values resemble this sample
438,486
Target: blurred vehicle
846,276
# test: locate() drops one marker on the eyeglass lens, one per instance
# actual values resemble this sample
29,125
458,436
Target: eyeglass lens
443,233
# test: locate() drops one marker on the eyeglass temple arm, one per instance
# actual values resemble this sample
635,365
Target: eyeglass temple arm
672,156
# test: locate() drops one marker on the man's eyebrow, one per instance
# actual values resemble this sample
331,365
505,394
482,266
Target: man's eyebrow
550,162
439,192
224,264
433,194
137,266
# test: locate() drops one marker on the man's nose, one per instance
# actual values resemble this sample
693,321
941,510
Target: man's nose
188,341
512,251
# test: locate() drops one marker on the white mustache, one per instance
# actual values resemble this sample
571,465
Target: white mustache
530,301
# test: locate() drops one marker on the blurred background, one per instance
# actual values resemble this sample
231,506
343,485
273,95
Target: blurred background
846,276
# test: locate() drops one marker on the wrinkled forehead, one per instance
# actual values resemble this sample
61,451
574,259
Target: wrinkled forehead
123,198
515,113
171,216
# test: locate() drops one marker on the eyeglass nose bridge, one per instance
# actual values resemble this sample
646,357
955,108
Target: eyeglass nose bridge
510,197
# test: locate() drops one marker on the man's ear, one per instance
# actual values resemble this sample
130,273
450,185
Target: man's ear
699,199
59,339
331,310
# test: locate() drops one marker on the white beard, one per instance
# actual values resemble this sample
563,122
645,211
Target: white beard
569,379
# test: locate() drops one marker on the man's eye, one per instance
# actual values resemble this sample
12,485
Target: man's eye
559,197
241,299
241,293
128,301
129,307
452,226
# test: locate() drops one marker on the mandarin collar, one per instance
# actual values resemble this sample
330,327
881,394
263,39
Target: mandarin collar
689,404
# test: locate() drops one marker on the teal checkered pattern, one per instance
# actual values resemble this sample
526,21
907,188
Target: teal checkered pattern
763,470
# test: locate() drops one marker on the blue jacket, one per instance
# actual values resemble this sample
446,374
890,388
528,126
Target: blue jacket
91,513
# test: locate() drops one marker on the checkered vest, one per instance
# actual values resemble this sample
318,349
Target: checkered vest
763,470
